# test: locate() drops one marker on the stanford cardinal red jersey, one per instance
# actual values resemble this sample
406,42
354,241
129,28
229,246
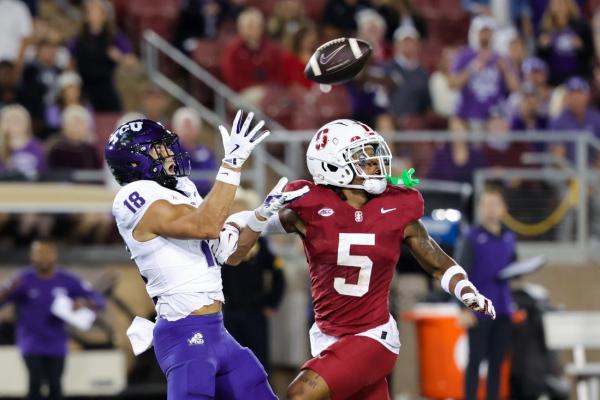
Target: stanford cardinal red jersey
352,253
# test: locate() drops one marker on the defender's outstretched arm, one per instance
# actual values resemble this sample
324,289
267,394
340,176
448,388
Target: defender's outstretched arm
441,266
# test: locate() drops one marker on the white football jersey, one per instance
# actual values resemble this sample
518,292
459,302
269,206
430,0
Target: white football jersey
181,275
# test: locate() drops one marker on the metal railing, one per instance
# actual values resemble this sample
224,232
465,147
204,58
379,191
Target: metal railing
78,198
154,47
551,170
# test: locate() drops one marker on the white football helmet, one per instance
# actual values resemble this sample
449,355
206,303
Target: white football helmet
337,151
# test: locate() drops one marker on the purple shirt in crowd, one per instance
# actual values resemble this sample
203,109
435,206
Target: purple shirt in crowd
484,255
29,160
483,90
562,55
567,121
39,332
202,160
444,168
517,123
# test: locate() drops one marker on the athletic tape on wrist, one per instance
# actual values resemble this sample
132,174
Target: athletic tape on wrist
460,285
255,224
449,274
229,176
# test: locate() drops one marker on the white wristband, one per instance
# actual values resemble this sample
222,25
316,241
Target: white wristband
229,176
449,274
255,224
239,218
274,226
461,285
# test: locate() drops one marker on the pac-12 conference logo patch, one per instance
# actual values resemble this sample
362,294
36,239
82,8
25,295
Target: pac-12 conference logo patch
325,212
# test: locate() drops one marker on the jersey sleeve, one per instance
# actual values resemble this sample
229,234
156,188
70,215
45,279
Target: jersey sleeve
134,199
303,202
417,205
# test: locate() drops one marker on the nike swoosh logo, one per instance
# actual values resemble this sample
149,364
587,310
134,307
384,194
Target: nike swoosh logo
325,59
385,211
237,146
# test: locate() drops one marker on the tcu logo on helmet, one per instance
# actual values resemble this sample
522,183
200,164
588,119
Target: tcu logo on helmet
321,139
135,126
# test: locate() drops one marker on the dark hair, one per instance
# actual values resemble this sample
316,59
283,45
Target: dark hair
495,188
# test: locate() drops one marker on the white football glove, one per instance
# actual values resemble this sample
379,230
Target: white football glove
226,244
276,199
241,141
478,302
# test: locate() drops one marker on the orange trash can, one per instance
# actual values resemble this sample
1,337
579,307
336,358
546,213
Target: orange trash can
443,349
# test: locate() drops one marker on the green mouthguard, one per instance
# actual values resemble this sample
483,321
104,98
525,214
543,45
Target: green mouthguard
405,179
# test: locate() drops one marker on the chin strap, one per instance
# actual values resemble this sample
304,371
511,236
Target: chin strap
405,179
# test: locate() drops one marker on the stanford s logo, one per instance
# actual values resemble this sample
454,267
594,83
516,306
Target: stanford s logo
325,212
321,139
358,216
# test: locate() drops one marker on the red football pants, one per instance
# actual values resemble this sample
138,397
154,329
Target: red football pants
355,368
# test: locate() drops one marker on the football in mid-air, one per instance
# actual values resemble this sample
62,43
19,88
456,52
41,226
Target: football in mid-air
338,60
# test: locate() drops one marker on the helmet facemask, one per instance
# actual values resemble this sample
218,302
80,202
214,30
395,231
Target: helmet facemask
370,153
158,153
363,154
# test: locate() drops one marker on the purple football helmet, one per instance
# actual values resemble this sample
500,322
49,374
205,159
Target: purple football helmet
128,153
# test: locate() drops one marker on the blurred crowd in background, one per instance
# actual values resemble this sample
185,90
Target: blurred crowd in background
73,70
70,71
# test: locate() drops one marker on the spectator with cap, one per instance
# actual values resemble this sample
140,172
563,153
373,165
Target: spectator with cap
577,116
68,92
529,114
482,77
409,91
187,125
565,42
535,75
42,336
251,59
